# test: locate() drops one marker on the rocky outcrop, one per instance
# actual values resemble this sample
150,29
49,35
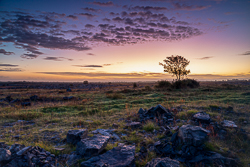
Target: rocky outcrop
20,156
123,156
92,146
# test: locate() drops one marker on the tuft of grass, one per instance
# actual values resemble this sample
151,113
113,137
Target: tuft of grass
149,126
114,96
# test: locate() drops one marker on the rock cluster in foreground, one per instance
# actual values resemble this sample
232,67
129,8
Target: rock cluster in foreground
186,145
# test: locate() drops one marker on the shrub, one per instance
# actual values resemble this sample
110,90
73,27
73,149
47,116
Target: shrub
134,85
85,82
163,84
148,88
186,83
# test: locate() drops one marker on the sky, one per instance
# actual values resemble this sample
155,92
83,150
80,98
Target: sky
106,41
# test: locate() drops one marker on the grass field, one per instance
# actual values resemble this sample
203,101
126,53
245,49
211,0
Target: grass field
52,117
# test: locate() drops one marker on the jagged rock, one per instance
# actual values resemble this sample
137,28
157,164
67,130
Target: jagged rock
23,151
74,136
163,162
5,155
193,135
123,156
133,125
202,117
158,112
229,124
92,146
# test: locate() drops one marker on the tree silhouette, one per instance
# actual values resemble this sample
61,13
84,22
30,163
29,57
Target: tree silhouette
176,65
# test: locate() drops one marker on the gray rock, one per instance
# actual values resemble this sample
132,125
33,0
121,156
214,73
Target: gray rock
163,162
24,150
229,124
123,156
92,146
133,125
202,117
74,136
214,158
5,155
193,135
107,132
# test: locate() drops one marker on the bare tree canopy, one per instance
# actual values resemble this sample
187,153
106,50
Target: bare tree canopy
176,65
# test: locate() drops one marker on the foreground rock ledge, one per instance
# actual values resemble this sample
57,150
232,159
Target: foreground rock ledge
92,146
163,162
123,156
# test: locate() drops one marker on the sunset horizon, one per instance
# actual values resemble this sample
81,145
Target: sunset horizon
123,41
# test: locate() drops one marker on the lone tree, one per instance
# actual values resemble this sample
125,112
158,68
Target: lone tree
176,65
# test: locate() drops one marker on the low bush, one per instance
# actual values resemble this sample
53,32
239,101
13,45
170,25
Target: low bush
163,84
186,83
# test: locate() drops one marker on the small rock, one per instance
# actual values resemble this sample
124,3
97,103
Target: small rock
133,125
24,150
202,117
229,124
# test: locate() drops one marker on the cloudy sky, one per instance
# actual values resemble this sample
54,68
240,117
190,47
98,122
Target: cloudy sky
61,40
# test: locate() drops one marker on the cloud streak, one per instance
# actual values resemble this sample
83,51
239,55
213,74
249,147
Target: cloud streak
11,69
205,58
94,66
8,65
2,51
246,53
57,58
105,4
